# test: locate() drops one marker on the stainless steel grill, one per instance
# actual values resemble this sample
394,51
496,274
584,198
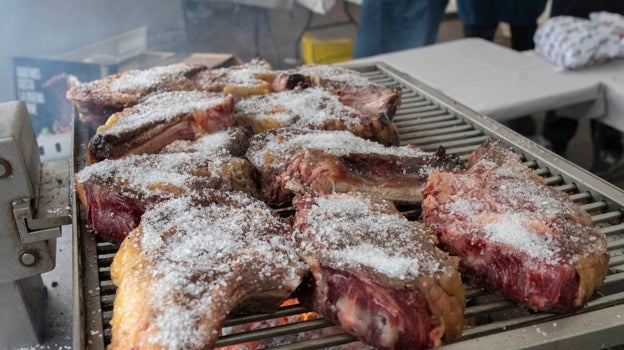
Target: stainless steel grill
428,119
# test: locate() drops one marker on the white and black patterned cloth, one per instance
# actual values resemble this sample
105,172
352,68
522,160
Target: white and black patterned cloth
571,43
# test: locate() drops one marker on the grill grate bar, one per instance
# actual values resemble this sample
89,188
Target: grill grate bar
277,331
616,260
322,343
493,306
407,108
617,244
542,172
283,311
414,136
589,207
503,325
553,180
456,143
614,229
421,117
606,217
613,279
568,188
578,197
424,141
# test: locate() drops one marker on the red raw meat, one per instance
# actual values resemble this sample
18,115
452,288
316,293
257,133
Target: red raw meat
514,234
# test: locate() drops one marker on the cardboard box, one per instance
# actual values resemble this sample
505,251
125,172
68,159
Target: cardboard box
213,60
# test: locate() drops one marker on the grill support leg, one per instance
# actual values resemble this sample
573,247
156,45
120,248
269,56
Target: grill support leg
23,305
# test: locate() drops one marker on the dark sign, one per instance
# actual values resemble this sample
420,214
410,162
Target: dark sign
42,84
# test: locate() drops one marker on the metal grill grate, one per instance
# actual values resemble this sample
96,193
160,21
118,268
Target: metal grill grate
428,119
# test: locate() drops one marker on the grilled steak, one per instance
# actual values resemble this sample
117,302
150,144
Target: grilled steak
376,274
514,234
99,99
232,141
312,109
189,264
293,162
115,193
353,89
251,78
158,120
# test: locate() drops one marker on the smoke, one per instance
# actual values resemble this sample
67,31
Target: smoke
43,28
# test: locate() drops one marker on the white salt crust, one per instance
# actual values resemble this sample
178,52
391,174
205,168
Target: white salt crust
328,72
516,211
244,75
160,107
181,239
299,108
337,143
213,144
137,80
347,231
142,172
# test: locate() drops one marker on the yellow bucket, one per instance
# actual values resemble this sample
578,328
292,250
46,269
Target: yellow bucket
315,50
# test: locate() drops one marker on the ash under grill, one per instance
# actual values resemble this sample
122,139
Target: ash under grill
428,119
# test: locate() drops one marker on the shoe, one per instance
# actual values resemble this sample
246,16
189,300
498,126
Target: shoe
608,164
525,126
557,147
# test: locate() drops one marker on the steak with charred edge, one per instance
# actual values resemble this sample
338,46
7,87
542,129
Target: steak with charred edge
97,100
352,88
158,120
232,141
293,162
312,109
375,274
115,193
191,263
251,78
514,234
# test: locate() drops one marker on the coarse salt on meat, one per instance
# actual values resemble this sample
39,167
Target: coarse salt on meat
135,80
342,74
514,233
337,143
172,169
160,107
210,144
382,242
299,108
192,249
247,76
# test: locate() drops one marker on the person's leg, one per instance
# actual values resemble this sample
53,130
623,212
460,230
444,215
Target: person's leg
521,40
480,17
522,36
558,131
370,30
392,25
608,148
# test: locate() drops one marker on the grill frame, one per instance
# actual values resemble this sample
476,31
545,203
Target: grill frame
429,119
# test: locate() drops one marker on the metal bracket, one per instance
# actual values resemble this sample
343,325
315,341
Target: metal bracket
53,208
23,213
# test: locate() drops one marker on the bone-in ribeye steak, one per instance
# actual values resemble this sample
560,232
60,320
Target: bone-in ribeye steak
376,274
298,161
514,234
191,263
